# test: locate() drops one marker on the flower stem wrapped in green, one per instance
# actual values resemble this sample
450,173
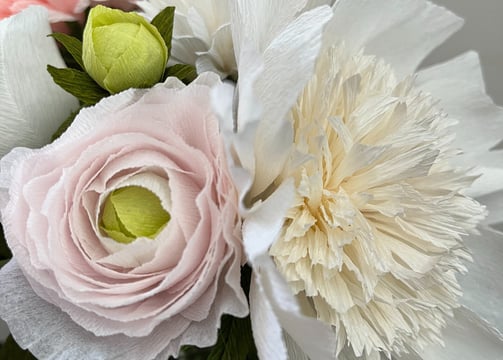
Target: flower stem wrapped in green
122,50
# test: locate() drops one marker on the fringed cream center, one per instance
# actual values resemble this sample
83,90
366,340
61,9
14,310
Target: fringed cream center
374,240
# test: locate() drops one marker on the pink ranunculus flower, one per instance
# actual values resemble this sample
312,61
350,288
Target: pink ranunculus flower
59,10
137,300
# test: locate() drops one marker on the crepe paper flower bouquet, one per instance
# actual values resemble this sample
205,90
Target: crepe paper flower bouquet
236,179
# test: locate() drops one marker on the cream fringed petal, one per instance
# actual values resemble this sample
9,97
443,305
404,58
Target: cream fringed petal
31,107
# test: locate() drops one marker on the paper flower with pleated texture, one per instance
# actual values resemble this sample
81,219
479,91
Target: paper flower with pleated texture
59,10
122,50
372,244
126,228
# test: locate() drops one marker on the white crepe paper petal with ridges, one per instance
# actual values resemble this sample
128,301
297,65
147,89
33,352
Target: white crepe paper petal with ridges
459,85
494,205
50,333
278,88
467,337
300,331
401,32
255,24
31,107
482,286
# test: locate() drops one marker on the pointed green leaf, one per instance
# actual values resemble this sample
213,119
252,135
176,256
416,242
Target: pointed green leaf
11,350
79,84
184,72
72,45
235,340
164,23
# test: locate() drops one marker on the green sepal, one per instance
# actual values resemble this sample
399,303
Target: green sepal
11,350
164,23
184,72
79,84
72,45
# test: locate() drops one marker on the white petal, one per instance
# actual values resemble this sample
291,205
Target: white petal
49,333
467,337
402,32
279,86
256,23
32,106
482,285
267,331
4,331
316,339
494,205
263,223
459,85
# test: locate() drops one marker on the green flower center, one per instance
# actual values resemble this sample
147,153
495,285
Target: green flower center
132,212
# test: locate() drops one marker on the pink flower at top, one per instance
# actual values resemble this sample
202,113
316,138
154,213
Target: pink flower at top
59,10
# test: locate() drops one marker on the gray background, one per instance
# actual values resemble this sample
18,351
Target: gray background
483,32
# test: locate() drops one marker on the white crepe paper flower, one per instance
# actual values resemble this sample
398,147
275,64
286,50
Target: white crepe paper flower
203,33
374,243
41,96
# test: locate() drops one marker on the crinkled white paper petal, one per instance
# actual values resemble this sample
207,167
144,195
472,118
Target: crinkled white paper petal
467,337
50,333
32,107
494,205
279,86
262,224
4,331
482,285
314,338
256,23
267,331
459,85
402,32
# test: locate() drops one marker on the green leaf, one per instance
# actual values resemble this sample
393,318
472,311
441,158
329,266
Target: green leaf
79,84
164,23
184,72
235,340
11,351
72,45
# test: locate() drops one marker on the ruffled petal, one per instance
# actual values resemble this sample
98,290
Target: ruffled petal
459,85
402,32
31,107
315,339
482,285
278,88
467,337
50,333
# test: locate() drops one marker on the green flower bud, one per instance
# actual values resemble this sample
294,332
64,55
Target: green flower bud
132,212
122,50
